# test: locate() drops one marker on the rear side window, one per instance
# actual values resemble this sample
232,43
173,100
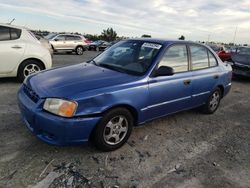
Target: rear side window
176,57
7,33
15,33
4,33
199,57
70,37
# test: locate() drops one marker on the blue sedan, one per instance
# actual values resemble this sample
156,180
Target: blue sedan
133,82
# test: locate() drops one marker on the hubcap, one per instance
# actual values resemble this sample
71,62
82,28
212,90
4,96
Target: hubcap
79,50
115,130
30,69
214,100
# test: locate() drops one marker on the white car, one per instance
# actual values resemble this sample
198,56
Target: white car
21,54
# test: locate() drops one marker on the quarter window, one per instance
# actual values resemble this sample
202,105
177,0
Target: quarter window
212,60
176,57
199,57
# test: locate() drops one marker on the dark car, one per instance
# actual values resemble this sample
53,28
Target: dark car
129,84
241,62
99,45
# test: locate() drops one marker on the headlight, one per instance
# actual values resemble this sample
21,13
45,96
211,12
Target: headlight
60,107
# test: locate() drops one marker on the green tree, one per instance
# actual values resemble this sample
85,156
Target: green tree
109,34
146,36
182,37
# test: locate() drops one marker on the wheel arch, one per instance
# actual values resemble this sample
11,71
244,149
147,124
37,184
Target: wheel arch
34,59
221,87
130,108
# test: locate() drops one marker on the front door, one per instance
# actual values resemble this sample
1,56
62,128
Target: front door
169,94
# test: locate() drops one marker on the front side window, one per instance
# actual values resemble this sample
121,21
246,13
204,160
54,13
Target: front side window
60,38
132,57
176,57
199,57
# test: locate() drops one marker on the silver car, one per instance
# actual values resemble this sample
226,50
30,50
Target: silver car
67,42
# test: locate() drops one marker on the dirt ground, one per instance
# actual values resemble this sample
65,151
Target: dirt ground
188,149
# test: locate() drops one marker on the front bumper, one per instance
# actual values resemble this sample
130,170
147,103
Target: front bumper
54,129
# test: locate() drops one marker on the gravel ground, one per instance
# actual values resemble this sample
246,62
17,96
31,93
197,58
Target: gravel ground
187,149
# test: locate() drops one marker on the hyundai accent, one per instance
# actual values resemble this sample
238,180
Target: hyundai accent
129,84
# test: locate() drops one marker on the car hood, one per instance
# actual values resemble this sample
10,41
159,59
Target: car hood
69,81
243,59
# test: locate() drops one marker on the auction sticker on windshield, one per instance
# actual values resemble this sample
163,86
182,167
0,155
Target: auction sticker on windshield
151,45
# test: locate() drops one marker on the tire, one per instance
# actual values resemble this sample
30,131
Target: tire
213,102
27,68
79,50
109,134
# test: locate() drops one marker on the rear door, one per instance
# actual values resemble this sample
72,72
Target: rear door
71,42
169,94
205,73
11,49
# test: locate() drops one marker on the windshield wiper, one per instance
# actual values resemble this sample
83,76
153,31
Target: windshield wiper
108,66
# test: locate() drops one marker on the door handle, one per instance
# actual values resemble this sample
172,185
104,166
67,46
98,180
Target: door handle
187,82
16,47
216,76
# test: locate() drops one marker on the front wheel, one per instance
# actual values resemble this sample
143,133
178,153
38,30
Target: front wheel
79,50
113,130
27,68
213,102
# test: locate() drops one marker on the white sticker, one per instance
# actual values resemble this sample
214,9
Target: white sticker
151,45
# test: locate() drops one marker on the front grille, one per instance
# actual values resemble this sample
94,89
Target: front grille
30,93
241,67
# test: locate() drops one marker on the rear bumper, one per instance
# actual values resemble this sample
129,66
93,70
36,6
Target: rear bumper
54,129
241,71
227,89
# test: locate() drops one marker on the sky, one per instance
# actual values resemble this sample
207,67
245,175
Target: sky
197,20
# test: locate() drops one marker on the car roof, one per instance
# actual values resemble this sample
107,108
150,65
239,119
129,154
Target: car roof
165,41
12,26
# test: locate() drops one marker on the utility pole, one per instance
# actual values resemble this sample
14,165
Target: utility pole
208,38
235,32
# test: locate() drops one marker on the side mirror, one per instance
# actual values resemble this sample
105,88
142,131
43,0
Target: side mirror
164,71
55,39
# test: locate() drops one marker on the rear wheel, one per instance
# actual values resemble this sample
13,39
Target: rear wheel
113,130
27,68
213,102
79,50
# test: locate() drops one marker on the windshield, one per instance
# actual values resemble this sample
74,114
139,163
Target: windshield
244,51
131,57
50,36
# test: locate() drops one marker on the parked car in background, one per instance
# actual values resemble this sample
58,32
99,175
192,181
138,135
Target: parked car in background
68,43
241,61
21,53
224,54
44,42
132,82
99,45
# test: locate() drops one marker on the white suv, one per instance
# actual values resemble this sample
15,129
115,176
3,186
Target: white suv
21,54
